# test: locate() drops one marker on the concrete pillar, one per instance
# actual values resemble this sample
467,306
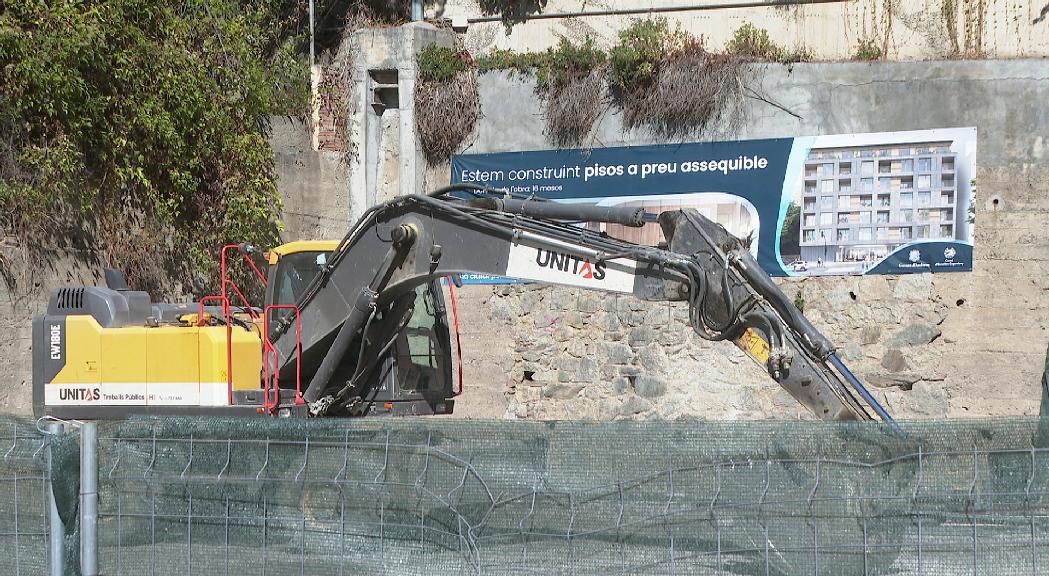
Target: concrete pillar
385,159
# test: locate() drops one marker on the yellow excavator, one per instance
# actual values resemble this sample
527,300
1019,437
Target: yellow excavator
358,326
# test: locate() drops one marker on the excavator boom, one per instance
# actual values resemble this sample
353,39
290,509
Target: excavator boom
411,240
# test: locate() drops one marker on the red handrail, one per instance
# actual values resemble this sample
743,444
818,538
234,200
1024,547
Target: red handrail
271,349
458,342
226,283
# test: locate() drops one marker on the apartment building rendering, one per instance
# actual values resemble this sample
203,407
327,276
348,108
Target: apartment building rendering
860,203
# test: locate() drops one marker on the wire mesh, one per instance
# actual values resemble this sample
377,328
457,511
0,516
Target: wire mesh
23,498
424,496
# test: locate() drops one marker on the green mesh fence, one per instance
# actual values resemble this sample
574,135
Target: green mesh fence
445,496
23,498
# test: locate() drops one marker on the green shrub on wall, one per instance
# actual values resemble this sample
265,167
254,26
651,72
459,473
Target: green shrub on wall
662,79
752,42
136,130
668,82
867,50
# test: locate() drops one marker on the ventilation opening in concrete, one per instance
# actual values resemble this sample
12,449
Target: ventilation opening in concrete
384,93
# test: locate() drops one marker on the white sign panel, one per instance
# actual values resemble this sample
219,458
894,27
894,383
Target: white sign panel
559,267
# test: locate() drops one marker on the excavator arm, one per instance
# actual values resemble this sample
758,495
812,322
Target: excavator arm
353,310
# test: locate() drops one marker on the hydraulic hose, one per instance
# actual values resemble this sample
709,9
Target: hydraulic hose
633,217
862,390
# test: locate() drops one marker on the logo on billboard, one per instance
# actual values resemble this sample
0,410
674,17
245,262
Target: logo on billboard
949,252
915,256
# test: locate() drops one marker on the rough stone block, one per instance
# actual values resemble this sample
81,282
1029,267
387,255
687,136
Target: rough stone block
914,334
502,311
641,336
650,386
561,391
894,361
634,405
870,334
913,287
654,359
617,353
903,380
589,303
607,322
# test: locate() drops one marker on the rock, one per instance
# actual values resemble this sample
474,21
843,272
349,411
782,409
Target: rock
563,334
526,394
838,299
903,381
629,371
894,361
561,391
852,353
658,316
617,353
555,299
607,322
914,334
502,311
641,336
653,359
515,411
650,386
634,405
529,300
631,317
573,319
621,384
913,287
589,303
870,334
577,369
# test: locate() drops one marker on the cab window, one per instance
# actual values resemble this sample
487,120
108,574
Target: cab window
294,273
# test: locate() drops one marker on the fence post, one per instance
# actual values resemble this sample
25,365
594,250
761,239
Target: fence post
56,532
89,499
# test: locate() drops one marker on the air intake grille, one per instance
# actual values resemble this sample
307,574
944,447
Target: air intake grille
71,298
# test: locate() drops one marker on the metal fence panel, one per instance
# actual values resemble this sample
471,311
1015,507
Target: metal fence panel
24,503
425,496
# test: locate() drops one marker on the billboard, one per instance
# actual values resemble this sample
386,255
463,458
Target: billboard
879,203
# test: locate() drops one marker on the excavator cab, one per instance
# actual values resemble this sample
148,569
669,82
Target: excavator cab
413,376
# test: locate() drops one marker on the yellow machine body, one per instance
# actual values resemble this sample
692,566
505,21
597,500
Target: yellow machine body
100,352
162,365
